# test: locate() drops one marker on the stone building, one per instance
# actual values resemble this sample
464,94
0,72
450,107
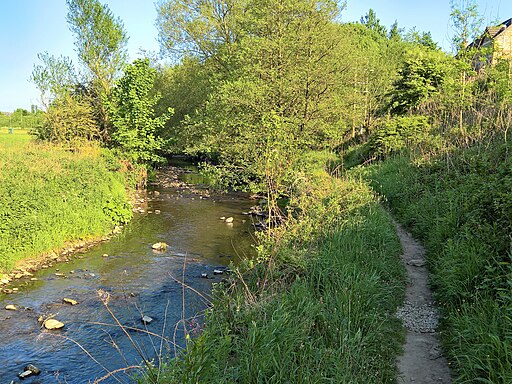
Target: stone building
498,41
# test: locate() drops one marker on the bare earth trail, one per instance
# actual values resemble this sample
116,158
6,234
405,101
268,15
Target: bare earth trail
422,361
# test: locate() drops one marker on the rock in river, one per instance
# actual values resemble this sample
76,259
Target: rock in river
146,319
159,246
10,307
70,301
53,324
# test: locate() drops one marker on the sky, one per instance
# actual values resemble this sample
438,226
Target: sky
29,27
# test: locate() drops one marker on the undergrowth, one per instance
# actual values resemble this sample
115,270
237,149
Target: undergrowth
317,307
459,204
51,194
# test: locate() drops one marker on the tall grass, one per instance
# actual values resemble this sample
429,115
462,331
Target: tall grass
50,195
459,204
319,305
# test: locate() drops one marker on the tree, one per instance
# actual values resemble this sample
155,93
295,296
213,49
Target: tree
422,38
466,23
395,33
422,74
273,86
55,77
199,27
371,21
132,111
100,42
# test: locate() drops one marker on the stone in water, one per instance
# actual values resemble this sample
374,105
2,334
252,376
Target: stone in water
32,368
70,301
159,246
146,319
53,324
10,307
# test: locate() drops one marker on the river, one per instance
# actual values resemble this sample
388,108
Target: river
137,280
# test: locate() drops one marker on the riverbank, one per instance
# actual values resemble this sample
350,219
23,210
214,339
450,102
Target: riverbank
56,200
318,305
457,202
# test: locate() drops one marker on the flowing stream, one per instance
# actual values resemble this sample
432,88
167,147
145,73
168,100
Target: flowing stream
138,281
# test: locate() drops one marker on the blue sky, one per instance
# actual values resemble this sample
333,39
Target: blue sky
28,27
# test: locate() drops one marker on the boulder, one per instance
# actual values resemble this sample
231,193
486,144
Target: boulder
53,324
10,307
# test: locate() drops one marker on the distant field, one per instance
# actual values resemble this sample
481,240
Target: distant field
18,137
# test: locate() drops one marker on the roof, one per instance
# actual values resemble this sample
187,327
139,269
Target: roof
491,33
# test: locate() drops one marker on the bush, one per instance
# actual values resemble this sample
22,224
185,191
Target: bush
399,133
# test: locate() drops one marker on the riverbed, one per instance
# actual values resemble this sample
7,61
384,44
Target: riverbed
134,281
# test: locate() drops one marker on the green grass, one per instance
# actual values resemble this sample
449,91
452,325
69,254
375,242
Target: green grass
50,195
318,308
459,205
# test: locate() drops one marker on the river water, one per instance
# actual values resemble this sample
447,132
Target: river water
137,280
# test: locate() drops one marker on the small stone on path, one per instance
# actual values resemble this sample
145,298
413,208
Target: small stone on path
416,262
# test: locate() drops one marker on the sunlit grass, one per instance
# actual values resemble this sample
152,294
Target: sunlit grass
319,308
51,194
459,205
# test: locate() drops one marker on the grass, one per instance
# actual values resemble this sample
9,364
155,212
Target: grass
459,205
51,194
317,308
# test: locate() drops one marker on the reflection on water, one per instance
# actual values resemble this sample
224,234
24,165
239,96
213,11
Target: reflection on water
138,281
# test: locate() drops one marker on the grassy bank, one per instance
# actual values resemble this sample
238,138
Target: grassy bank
50,195
318,307
460,205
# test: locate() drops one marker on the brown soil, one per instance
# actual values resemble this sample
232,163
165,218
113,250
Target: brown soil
422,361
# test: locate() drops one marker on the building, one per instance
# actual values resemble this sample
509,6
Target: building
498,40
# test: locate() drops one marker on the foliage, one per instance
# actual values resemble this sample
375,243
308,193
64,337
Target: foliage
54,77
132,114
371,22
421,76
100,41
320,311
466,23
68,119
261,116
50,195
398,133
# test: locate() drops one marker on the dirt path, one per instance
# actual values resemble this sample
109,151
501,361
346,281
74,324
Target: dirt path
422,361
